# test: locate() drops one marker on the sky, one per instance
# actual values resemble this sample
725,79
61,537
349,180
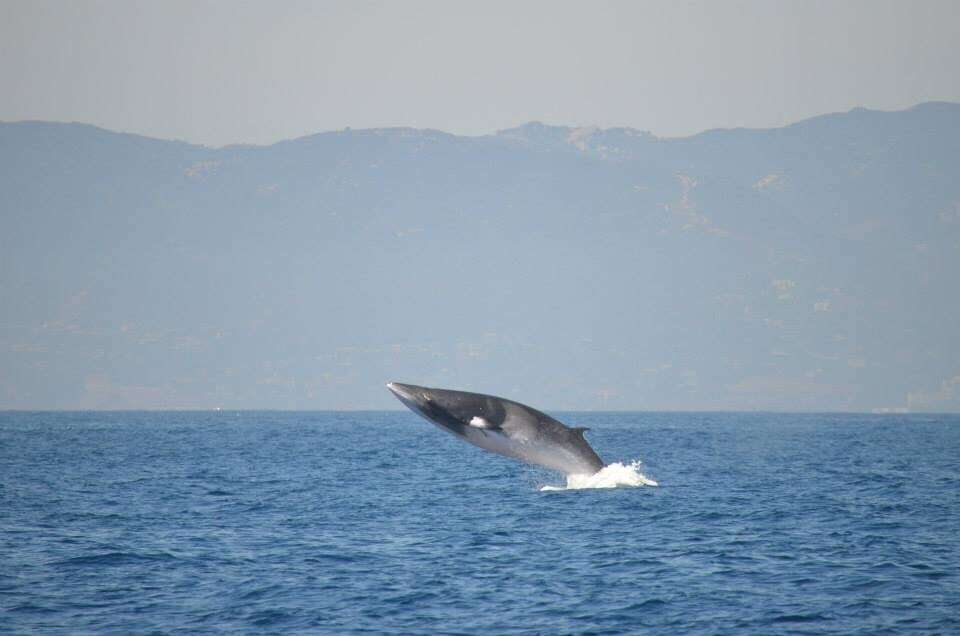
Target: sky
219,73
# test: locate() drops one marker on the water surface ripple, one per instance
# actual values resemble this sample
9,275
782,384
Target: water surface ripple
378,523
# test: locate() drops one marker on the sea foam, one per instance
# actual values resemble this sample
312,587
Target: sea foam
611,476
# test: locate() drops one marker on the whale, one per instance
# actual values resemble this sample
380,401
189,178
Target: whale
504,427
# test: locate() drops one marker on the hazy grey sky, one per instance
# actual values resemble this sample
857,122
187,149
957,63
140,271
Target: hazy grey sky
228,72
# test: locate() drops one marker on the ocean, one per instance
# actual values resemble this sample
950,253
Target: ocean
378,522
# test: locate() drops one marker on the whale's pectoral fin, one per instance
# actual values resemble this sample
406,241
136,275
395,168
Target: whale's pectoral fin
483,425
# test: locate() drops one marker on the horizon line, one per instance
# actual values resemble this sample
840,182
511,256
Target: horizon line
880,411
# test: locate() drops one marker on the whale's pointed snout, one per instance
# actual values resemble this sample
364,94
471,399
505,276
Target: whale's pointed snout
401,390
410,394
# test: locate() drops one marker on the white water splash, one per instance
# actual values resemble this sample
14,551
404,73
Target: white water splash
610,476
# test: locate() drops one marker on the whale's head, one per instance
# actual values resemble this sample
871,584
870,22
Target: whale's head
416,398
452,410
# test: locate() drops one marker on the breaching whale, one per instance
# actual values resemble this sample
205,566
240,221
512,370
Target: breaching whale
504,427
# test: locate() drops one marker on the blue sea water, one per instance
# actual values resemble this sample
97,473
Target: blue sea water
377,522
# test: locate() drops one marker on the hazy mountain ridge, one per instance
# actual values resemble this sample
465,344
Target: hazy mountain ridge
810,266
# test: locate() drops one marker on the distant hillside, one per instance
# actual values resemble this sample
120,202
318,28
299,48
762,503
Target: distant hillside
808,267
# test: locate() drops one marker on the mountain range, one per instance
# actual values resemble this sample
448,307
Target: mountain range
809,267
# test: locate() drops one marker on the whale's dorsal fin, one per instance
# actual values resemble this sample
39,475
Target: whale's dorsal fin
580,430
